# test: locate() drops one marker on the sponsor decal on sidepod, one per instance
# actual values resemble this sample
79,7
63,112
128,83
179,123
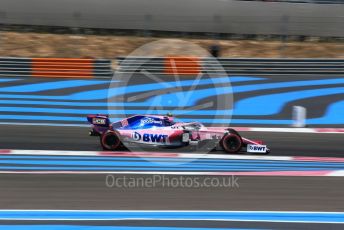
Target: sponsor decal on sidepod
149,137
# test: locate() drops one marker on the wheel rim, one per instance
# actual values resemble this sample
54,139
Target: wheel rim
232,143
111,141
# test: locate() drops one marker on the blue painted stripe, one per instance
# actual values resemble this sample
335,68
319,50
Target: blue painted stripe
76,103
113,112
157,169
308,217
40,118
172,160
273,103
281,85
236,121
119,91
335,113
335,121
9,79
103,94
161,162
37,87
173,98
175,165
83,227
119,158
60,103
261,105
197,95
203,120
110,163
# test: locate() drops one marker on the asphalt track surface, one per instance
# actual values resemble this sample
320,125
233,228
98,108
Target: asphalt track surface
76,138
89,192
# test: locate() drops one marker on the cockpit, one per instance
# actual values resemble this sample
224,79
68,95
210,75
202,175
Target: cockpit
144,122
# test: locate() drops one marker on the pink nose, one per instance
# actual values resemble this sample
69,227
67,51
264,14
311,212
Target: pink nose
260,142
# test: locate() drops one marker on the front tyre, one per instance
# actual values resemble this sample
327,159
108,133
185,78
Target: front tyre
232,142
110,140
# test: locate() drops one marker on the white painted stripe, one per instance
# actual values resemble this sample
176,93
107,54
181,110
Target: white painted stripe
167,155
235,157
172,155
53,153
162,154
146,154
187,173
294,130
336,173
283,130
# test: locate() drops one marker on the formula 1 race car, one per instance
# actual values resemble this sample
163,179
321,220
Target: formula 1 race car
162,131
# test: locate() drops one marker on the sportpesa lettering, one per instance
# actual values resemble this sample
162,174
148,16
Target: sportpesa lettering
149,120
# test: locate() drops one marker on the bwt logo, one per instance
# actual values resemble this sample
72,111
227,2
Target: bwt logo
148,137
257,148
136,136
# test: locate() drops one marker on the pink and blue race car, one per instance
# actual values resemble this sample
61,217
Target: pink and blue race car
162,131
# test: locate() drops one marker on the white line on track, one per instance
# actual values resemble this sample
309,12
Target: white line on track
142,154
96,154
247,129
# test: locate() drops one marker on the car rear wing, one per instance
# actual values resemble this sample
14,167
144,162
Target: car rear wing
99,119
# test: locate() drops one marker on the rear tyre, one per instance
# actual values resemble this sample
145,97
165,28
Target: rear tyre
110,140
232,142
